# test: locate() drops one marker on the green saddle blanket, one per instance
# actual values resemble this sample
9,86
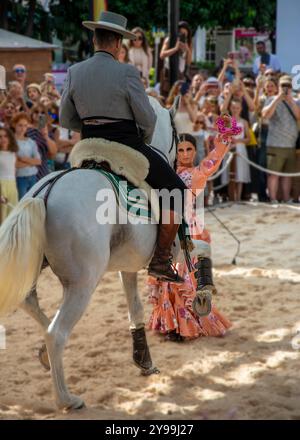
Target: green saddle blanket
135,202
130,199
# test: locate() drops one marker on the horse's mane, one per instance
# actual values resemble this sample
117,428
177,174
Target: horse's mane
162,137
157,107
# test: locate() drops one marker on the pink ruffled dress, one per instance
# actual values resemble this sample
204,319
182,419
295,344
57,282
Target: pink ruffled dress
172,303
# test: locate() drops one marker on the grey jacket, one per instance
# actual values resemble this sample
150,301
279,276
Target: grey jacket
103,87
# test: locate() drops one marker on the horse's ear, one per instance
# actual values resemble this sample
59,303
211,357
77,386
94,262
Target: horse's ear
175,106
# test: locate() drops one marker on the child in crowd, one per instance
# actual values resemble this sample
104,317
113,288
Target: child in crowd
28,155
8,157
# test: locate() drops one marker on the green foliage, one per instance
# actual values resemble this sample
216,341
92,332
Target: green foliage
206,65
207,13
66,15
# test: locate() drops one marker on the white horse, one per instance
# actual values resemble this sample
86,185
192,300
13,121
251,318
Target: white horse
79,251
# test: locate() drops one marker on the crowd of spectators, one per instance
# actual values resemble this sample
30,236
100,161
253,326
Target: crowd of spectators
32,142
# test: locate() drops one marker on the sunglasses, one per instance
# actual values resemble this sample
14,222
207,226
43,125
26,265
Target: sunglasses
53,115
20,70
140,38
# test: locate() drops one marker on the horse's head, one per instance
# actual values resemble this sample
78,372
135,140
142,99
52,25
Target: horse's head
165,135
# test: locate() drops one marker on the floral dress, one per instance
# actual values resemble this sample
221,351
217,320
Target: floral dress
172,302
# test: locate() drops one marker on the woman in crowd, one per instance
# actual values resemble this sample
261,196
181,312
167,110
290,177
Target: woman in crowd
124,54
64,139
183,47
28,158
16,95
242,168
265,87
140,54
34,94
196,83
172,304
49,89
8,111
8,157
200,133
39,132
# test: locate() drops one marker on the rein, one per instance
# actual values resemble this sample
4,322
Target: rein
51,182
175,138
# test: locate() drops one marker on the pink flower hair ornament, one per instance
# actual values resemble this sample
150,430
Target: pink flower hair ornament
227,126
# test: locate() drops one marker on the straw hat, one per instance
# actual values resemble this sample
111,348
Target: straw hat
34,86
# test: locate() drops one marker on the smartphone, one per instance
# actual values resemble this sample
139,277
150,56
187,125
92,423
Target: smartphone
2,78
184,88
285,90
212,85
42,121
236,82
182,38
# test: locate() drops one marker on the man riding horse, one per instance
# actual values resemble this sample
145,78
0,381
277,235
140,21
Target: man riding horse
106,99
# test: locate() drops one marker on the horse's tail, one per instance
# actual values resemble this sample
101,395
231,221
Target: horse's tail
22,242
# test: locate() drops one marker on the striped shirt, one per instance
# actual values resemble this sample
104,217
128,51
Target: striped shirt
41,142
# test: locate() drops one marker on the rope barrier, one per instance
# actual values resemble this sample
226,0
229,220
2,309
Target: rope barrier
255,165
266,170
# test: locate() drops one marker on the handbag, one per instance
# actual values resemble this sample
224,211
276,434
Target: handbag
295,119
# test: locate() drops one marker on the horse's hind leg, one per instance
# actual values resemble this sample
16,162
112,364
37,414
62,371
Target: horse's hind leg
75,301
32,307
141,353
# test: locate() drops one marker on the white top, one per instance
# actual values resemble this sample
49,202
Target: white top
141,60
28,148
7,165
273,64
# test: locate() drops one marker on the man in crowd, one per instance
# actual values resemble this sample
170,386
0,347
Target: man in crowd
264,58
283,113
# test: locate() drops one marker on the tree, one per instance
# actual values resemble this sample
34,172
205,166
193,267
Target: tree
65,17
224,13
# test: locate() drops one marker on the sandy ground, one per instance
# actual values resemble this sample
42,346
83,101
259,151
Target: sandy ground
251,373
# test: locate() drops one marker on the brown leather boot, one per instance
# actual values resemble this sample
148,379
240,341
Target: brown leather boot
161,263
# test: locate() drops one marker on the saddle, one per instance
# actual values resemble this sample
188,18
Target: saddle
117,162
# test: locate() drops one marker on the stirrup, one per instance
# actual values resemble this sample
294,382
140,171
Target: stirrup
164,277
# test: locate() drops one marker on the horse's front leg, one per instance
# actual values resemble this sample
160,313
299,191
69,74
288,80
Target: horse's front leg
141,353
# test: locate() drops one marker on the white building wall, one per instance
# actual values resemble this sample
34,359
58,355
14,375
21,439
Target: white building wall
288,34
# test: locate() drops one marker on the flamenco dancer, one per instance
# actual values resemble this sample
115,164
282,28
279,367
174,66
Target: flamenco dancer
172,312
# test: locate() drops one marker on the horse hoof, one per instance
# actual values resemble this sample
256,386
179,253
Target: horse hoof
75,403
43,357
202,302
150,371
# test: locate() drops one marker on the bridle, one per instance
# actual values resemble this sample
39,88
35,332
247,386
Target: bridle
175,137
